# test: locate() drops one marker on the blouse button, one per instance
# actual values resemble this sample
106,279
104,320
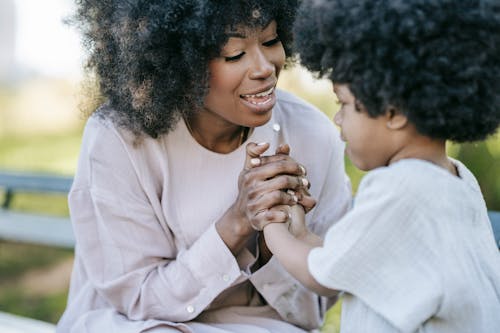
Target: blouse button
225,277
190,308
276,127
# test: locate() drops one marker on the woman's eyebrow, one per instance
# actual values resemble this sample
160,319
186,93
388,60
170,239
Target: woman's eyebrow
236,34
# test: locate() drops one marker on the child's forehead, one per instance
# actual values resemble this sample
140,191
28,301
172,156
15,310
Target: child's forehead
342,90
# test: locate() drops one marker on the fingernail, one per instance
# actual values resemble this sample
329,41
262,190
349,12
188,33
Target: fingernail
255,161
305,182
302,169
261,143
294,197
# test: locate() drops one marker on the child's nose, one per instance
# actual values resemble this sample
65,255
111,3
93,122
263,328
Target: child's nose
337,119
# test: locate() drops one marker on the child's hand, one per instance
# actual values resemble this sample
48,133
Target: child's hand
297,222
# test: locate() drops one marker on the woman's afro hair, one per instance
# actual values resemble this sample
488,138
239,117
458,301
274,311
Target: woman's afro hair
438,61
151,57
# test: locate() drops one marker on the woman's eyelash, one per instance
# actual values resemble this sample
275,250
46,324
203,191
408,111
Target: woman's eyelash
238,56
234,58
271,42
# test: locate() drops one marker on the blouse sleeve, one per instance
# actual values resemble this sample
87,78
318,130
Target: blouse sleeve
376,253
292,301
129,255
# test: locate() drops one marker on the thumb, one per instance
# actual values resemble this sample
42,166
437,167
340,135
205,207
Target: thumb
254,151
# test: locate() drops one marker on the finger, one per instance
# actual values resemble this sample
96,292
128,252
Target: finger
283,149
277,214
268,200
307,202
270,168
282,157
274,158
253,152
283,182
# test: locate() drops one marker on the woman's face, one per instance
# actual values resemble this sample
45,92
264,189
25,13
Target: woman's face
243,78
369,143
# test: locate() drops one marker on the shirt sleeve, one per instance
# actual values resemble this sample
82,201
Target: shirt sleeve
377,253
128,254
294,302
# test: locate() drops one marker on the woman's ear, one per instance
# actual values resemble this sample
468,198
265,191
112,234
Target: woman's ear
396,120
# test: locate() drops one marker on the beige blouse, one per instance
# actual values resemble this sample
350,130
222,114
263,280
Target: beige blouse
148,257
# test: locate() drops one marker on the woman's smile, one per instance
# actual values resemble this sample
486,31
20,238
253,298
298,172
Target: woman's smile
260,102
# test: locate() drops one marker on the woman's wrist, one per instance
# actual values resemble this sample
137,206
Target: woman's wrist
234,230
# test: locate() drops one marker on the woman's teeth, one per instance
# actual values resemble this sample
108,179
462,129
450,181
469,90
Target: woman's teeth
260,98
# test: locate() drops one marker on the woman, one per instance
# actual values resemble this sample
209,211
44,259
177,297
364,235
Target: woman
165,197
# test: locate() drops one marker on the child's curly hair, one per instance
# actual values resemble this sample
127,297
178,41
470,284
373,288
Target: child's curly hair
151,56
438,61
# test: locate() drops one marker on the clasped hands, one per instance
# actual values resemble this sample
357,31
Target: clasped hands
274,189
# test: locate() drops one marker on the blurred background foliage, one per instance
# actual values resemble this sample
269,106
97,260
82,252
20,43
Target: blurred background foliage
41,124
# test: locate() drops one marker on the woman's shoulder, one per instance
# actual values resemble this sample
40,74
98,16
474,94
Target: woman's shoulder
102,135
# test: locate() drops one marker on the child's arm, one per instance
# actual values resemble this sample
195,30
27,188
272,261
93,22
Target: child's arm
293,251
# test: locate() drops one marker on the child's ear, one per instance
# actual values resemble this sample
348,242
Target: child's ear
395,119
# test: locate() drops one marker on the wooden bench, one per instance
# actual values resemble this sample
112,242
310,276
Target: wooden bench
28,227
32,228
57,231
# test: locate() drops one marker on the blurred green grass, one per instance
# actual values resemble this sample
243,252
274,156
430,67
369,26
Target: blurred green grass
57,154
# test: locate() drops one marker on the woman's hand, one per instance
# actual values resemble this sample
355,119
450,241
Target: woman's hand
268,186
273,184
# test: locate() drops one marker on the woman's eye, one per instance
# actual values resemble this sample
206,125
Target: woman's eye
234,58
271,42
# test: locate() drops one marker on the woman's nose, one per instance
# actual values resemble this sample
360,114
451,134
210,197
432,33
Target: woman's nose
262,66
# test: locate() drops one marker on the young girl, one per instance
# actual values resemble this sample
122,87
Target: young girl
416,253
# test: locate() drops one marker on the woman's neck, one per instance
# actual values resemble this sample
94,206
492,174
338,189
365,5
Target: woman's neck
216,134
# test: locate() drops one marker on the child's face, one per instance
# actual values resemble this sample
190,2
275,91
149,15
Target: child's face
369,142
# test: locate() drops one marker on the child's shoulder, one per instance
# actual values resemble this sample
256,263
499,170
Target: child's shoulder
416,178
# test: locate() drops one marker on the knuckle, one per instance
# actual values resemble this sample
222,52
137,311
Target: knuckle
252,193
252,206
282,165
277,196
247,178
282,182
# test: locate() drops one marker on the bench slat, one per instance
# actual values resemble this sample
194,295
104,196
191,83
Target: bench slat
495,224
37,229
35,182
10,323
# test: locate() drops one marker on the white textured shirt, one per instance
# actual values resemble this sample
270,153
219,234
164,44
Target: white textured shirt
415,254
147,253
